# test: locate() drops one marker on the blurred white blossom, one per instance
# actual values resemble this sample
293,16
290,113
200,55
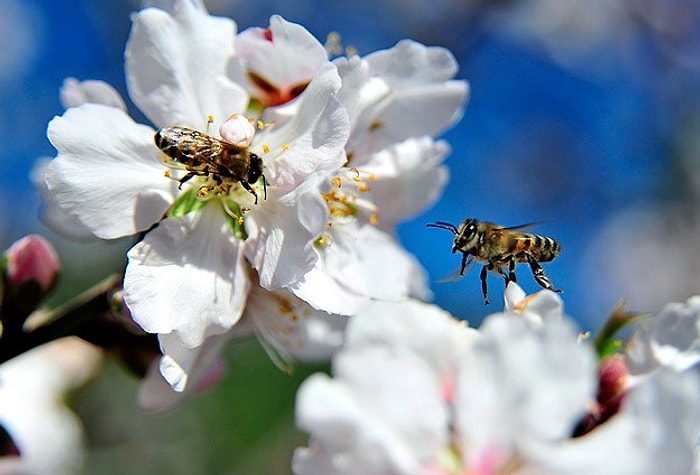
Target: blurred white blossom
414,391
33,390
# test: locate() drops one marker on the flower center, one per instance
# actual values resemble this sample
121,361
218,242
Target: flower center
347,200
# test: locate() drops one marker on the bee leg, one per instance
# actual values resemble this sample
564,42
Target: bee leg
245,185
464,263
484,287
539,275
186,178
511,272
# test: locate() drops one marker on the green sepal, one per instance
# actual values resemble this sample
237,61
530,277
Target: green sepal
606,342
186,203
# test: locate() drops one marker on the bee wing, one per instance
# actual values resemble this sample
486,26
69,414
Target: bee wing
456,274
522,227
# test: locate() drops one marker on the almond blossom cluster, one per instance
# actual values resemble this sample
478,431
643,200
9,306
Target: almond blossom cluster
348,149
416,392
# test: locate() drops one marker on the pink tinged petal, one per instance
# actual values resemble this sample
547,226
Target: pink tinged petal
187,276
182,372
311,143
281,235
108,173
238,130
656,432
176,63
285,57
75,93
291,330
522,382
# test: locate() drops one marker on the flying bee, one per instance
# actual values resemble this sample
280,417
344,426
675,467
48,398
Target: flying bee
204,155
501,248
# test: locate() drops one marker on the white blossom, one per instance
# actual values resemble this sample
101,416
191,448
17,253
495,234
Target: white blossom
33,411
397,100
190,275
414,392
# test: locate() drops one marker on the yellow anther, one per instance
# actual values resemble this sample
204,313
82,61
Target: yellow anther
210,119
362,187
372,177
285,147
373,219
266,148
337,182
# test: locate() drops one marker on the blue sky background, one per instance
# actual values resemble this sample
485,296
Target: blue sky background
583,116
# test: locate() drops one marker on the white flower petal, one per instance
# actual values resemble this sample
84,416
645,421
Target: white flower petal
362,421
51,214
312,142
187,276
75,93
180,372
291,57
291,330
107,174
671,338
535,308
426,329
522,381
420,77
281,234
176,66
655,432
32,408
400,93
408,178
360,264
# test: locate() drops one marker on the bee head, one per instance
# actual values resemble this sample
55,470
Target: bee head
255,171
466,237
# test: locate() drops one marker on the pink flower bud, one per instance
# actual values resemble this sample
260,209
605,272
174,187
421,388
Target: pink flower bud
32,259
238,130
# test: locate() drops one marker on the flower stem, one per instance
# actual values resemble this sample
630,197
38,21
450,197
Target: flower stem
64,321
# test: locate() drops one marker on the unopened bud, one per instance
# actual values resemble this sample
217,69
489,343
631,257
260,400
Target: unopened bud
31,261
238,130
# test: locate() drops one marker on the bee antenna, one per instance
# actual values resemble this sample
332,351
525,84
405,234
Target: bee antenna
264,186
443,225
